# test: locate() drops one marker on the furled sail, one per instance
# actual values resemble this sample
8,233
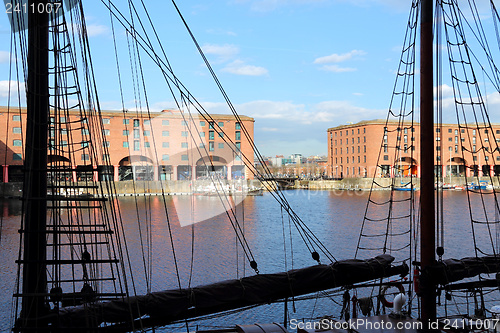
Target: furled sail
451,270
170,305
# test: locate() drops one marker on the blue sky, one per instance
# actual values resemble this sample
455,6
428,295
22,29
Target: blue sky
297,66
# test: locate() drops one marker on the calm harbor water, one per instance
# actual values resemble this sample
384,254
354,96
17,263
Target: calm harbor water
334,216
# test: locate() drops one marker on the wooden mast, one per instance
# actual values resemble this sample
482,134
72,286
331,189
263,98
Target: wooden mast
34,287
427,215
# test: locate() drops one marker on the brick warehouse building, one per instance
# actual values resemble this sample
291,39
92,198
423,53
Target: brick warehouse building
168,145
353,150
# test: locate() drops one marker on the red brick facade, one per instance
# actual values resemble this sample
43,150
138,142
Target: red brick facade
354,150
167,145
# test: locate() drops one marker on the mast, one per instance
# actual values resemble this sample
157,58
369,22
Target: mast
427,215
34,286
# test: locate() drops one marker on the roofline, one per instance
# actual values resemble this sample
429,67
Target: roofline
132,114
394,122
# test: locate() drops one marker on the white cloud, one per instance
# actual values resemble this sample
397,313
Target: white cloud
96,29
223,52
337,69
238,67
11,88
270,5
5,57
336,58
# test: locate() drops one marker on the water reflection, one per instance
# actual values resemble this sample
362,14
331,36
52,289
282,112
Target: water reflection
209,251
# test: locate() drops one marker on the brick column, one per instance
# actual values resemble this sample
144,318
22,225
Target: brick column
5,173
116,173
174,172
156,172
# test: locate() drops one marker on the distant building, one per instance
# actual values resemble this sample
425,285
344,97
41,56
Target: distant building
167,145
354,149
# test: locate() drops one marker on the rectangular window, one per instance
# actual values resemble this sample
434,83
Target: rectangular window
146,144
137,145
364,149
359,149
165,145
438,130
105,157
237,136
137,123
202,134
405,139
85,157
364,159
202,123
105,131
17,143
211,125
126,132
473,132
221,134
184,145
449,130
147,133
210,135
106,143
473,140
165,133
126,121
202,145
104,120
238,146
16,118
456,139
147,122
184,158
221,145
16,130
64,143
386,157
385,149
438,148
165,157
17,157
184,123
211,146
221,124
137,134
450,139
184,134
165,122
84,144
238,127
85,131
456,149
125,144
